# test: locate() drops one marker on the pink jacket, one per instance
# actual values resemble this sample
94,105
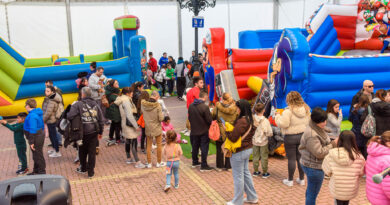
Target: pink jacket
378,159
167,127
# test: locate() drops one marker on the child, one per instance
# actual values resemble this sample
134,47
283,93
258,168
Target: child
344,165
260,141
160,80
166,126
172,152
19,140
335,116
378,160
170,78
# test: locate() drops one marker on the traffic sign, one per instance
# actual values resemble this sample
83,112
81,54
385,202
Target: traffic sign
197,22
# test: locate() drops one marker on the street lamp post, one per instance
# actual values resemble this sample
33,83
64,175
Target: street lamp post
196,6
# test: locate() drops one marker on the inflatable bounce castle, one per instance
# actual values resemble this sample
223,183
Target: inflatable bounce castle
23,78
330,59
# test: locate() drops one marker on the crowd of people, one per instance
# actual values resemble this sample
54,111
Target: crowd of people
313,139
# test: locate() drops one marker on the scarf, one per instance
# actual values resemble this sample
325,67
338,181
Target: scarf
321,132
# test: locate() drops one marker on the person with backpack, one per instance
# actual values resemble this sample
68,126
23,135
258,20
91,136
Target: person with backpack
181,78
357,116
226,110
243,130
381,110
93,124
52,111
344,165
112,112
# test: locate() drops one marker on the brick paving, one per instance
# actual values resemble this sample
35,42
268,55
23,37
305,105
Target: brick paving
116,182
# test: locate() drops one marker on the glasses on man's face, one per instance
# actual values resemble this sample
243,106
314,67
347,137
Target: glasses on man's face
370,86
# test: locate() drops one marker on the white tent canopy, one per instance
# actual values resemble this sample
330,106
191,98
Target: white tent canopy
40,28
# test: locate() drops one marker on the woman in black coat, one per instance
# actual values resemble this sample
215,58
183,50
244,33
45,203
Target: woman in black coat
357,116
381,109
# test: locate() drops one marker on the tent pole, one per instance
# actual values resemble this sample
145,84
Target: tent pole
179,30
7,21
69,24
276,14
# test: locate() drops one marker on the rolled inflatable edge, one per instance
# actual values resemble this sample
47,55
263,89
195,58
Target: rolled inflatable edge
255,83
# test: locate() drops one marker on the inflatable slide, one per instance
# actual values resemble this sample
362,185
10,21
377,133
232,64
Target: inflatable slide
315,66
25,78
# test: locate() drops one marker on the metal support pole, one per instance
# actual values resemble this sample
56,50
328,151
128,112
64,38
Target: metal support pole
303,14
69,23
180,32
230,41
7,22
276,15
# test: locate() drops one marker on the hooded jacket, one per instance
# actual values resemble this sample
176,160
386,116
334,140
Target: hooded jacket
381,111
153,117
315,145
33,125
192,94
49,108
163,61
127,110
378,159
228,112
112,112
344,173
355,100
293,120
85,108
200,118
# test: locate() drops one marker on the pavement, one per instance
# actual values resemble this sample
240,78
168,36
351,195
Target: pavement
116,182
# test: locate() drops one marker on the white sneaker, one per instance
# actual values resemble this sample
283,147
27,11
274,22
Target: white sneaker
229,203
300,182
255,201
148,165
139,165
154,146
184,131
50,151
55,154
167,187
188,133
287,182
161,164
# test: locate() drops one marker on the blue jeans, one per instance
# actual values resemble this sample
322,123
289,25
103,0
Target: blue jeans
242,177
314,183
59,137
53,135
175,170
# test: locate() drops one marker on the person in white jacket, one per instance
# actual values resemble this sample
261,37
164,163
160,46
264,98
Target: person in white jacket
260,141
96,82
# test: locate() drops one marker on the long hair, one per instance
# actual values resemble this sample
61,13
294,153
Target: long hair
364,101
381,94
385,137
143,96
111,82
294,99
245,111
330,107
347,140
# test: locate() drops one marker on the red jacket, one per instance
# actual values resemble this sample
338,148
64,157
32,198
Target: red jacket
153,64
192,95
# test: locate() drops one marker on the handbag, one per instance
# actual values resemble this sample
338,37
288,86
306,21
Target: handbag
229,147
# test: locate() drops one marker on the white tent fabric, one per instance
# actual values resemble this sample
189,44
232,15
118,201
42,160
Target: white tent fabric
40,29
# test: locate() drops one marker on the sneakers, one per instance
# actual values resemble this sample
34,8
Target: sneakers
90,177
256,174
154,146
161,164
254,201
188,133
265,175
130,161
229,203
195,165
287,182
167,187
76,160
300,182
78,170
206,169
176,186
147,165
50,151
184,131
55,154
139,165
22,171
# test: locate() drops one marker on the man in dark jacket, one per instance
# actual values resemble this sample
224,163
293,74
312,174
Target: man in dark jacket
200,120
92,120
368,89
34,132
